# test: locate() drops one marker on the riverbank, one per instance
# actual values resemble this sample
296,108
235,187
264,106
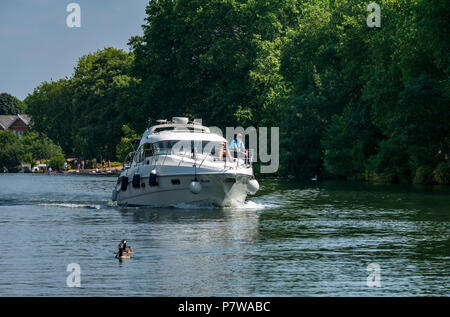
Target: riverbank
97,171
88,171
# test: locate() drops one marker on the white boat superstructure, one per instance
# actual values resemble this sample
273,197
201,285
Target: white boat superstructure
181,162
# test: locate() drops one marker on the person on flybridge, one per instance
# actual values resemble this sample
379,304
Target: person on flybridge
238,146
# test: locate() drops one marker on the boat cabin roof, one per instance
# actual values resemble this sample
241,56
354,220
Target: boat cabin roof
175,131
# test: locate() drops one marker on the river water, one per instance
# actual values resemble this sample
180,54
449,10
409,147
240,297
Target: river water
292,239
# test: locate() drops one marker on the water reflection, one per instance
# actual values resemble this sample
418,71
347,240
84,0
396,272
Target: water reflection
206,247
155,215
206,224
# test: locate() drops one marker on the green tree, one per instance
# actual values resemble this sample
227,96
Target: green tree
102,101
125,146
11,151
10,105
50,107
350,141
215,60
419,131
37,146
312,67
57,162
350,100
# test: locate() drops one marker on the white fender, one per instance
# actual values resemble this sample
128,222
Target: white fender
252,186
195,187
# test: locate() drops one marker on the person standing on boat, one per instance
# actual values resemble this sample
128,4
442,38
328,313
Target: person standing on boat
224,153
238,146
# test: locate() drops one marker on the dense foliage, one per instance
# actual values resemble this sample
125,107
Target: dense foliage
351,101
38,147
11,151
84,114
32,147
50,107
10,105
102,95
126,143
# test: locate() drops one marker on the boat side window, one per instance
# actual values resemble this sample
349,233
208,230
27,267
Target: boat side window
148,150
138,157
183,146
158,148
135,157
165,147
210,147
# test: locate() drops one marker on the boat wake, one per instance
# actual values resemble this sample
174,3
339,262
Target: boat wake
247,205
259,204
254,205
72,205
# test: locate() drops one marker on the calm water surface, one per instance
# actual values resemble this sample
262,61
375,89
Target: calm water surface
292,239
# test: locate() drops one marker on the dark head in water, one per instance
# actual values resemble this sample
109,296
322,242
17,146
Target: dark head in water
124,250
125,247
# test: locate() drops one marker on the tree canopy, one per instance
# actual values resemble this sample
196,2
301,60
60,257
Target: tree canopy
30,148
351,101
10,105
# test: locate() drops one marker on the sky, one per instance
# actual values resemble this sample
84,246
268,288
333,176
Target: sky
36,44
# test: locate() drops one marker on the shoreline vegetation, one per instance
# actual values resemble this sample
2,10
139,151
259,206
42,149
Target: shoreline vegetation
88,171
352,102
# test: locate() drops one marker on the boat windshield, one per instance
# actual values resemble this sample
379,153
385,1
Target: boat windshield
177,147
182,147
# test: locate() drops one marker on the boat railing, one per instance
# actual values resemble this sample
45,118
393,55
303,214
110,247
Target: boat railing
206,156
128,160
244,161
199,159
250,156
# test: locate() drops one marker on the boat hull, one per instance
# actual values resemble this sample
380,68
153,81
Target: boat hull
221,189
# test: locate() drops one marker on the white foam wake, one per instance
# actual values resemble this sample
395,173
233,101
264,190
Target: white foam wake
69,205
247,205
252,205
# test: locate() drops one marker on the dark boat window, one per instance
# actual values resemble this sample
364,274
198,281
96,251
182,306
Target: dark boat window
148,150
176,182
184,146
138,156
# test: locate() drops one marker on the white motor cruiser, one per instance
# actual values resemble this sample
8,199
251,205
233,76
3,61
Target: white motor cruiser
183,162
